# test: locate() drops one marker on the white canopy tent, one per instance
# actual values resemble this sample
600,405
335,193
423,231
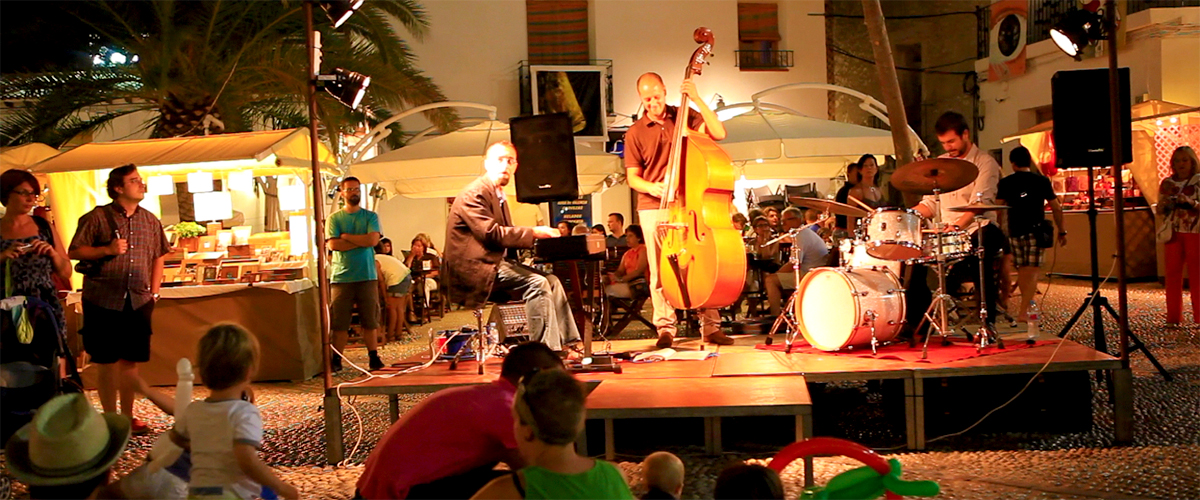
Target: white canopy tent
770,144
441,166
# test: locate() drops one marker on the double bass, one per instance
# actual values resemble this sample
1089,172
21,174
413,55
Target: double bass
702,261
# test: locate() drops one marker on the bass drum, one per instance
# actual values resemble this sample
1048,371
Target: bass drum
839,306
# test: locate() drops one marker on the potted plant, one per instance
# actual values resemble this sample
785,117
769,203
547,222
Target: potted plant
188,234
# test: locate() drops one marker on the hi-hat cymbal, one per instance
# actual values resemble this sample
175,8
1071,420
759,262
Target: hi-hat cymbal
946,174
830,206
978,208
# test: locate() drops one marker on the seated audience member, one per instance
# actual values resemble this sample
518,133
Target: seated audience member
429,247
634,265
616,228
425,267
813,252
599,229
768,252
564,228
448,445
549,413
579,229
68,450
740,222
224,432
773,216
663,475
395,281
748,481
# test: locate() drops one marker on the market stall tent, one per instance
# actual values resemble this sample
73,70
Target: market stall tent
25,155
441,166
77,176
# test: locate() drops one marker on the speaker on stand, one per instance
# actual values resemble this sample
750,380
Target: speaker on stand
545,147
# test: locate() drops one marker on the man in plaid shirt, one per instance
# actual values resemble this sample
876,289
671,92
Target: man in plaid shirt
118,301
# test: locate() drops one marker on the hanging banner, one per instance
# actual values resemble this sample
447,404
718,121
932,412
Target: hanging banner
1006,41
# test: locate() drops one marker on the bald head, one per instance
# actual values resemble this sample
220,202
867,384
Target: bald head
653,95
664,471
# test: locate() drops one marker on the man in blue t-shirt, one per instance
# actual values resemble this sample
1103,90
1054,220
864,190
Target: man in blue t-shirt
352,234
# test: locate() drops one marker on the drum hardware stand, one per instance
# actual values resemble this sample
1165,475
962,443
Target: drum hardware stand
938,305
985,332
871,316
793,327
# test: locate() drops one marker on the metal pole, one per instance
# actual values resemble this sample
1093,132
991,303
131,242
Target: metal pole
889,85
1114,108
318,195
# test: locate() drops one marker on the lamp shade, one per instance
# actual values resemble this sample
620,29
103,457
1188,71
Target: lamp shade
200,182
291,197
348,87
160,185
216,205
241,180
298,234
1076,31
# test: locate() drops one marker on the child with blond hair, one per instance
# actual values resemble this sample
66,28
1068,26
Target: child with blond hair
224,432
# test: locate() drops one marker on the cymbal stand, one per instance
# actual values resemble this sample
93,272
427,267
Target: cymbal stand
940,297
785,316
985,333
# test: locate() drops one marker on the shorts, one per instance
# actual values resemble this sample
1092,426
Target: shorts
1026,252
110,336
343,297
402,288
141,483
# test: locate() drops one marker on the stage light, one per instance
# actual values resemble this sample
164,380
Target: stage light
348,87
1076,31
340,10
117,58
200,182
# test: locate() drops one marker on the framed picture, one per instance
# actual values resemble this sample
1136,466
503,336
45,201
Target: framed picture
207,273
579,91
230,272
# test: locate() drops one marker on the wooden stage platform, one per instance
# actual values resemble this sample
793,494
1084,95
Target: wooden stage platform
742,381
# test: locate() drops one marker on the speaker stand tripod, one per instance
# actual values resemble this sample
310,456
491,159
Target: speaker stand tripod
1097,300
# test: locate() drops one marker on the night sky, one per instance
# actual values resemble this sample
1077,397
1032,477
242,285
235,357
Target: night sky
42,35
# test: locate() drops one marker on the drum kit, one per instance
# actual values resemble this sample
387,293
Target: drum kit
861,303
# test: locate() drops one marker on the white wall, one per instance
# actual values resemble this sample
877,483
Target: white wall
474,47
1165,68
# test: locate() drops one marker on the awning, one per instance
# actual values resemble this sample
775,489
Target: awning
25,155
271,152
1138,112
442,166
774,145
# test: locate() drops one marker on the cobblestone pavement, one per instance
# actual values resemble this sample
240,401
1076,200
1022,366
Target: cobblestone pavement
1162,463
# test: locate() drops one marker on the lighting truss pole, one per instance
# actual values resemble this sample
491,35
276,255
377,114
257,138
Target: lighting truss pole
318,193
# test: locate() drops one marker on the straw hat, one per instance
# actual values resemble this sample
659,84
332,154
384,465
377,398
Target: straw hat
66,443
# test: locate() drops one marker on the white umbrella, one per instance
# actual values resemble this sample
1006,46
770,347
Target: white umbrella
773,144
441,166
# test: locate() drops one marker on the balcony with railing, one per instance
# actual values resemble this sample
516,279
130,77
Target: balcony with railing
763,59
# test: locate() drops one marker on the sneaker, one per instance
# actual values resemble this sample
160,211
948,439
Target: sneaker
138,427
375,363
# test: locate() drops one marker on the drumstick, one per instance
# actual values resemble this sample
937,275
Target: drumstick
860,203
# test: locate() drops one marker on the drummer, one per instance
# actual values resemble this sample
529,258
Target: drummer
955,137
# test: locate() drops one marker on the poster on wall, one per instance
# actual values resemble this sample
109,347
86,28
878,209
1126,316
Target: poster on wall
1010,26
574,211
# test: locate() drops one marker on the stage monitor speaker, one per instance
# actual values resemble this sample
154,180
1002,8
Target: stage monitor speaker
546,154
1082,128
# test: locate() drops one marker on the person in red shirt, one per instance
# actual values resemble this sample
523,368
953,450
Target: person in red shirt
449,444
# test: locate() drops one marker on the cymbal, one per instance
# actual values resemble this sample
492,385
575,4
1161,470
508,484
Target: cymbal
978,208
830,206
946,174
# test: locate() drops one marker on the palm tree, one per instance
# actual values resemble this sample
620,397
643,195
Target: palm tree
224,66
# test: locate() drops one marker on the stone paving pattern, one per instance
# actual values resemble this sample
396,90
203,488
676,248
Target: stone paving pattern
1162,463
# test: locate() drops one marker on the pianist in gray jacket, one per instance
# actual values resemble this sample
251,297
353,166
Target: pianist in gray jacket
479,256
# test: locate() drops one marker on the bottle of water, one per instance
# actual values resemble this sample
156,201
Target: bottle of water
1034,314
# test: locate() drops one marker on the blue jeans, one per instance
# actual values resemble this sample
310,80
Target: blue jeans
546,306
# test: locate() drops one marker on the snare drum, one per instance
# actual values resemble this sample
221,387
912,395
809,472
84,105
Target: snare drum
838,307
892,234
955,244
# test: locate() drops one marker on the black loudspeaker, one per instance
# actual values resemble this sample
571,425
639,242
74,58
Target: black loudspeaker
546,155
1082,129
